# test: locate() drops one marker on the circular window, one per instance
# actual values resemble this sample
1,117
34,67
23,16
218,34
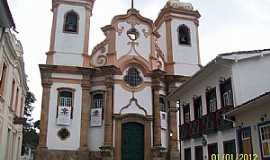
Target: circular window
63,133
133,77
133,34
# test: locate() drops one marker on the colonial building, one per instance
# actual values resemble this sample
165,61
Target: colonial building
110,102
13,88
231,88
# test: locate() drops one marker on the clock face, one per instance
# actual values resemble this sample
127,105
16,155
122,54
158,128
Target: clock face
133,34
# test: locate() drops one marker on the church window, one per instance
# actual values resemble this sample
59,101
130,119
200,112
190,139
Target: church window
133,77
184,35
97,108
65,101
163,113
98,101
162,104
2,80
71,22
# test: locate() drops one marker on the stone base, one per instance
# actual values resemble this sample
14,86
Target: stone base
45,154
158,153
107,152
174,155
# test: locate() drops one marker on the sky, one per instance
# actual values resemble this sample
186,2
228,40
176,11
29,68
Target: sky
225,26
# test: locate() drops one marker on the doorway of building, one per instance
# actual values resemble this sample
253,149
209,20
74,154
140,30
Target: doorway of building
132,141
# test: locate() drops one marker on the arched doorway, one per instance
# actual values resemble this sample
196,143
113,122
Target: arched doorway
132,141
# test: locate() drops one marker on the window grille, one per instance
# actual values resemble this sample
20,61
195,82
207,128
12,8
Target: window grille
211,99
65,99
133,77
226,93
162,104
98,101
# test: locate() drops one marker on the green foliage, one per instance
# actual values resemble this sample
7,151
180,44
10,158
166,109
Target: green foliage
30,135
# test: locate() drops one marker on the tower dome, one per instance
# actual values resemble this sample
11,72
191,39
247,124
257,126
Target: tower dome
181,5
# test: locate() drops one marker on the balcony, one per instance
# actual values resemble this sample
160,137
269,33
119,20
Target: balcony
208,124
196,128
222,124
185,131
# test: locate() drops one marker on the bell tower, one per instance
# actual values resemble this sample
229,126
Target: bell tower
177,25
70,33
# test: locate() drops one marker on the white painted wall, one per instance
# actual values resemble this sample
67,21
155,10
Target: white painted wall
250,78
73,142
162,43
185,56
144,43
95,137
122,99
164,138
69,47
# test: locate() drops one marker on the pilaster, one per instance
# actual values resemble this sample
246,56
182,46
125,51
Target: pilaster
46,84
86,102
107,149
169,66
157,150
173,139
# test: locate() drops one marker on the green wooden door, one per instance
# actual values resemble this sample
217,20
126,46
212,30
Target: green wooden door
132,141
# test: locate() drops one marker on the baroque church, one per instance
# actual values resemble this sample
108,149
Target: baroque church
110,103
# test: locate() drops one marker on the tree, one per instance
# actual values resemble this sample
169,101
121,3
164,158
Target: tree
30,135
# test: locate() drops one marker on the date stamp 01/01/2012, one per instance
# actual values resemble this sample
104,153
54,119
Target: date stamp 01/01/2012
234,157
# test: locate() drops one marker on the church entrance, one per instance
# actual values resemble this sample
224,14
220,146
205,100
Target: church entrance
132,141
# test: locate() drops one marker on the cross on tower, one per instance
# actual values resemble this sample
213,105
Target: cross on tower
132,4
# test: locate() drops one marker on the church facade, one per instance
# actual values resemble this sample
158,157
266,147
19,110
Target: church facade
110,103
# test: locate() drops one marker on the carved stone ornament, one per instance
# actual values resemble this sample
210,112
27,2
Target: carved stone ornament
101,60
120,30
63,133
146,33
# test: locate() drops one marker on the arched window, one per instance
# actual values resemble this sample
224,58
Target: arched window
71,22
65,101
184,35
133,77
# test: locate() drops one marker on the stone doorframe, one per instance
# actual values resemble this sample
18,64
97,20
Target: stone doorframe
126,118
